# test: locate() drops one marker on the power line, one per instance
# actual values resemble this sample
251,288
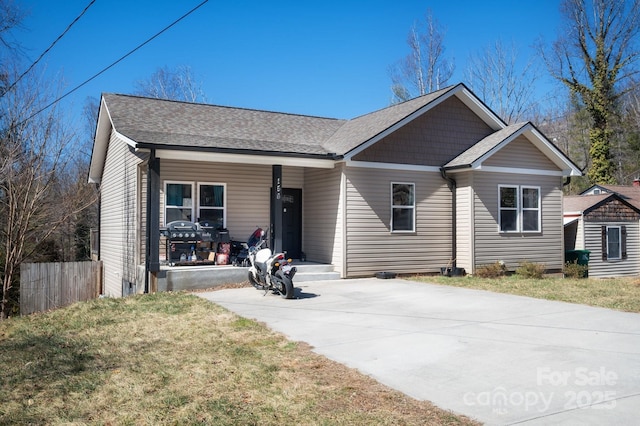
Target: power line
116,62
50,47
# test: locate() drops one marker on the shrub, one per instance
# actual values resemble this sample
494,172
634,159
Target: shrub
528,269
494,270
573,270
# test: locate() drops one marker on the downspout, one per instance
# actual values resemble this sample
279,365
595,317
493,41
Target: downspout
451,183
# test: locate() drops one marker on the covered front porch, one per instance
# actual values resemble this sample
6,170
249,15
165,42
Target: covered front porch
288,200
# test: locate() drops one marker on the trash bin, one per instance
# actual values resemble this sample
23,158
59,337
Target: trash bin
581,257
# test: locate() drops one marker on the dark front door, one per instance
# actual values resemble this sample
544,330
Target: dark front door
291,222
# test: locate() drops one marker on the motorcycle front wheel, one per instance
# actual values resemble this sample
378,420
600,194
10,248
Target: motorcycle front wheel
285,287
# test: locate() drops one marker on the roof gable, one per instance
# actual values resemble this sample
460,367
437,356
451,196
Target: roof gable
629,193
432,138
362,132
609,207
476,156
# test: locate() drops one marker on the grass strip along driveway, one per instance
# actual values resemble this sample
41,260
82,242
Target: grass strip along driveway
172,358
622,294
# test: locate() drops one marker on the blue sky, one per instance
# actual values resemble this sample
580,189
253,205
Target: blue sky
324,58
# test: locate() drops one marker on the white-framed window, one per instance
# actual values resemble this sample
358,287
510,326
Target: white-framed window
178,201
403,207
212,202
519,208
614,243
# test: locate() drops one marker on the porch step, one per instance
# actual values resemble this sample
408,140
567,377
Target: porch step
309,271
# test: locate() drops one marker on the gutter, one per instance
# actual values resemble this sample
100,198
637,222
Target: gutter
154,146
451,183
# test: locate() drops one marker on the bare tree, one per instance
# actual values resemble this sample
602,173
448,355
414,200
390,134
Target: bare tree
177,84
594,59
36,156
425,68
507,86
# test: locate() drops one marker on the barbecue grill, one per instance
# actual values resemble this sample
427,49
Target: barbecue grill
188,242
182,240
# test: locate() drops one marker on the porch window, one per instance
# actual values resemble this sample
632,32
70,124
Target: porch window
519,208
211,203
178,201
403,206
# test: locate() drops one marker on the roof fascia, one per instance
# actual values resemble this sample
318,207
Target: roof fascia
238,158
103,135
100,143
511,170
479,108
392,166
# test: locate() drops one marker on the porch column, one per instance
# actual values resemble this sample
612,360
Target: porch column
276,226
153,218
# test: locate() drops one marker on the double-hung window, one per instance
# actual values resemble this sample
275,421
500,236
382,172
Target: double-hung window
614,242
182,202
403,207
211,204
178,202
519,208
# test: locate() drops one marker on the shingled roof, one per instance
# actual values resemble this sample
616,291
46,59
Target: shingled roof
210,129
182,124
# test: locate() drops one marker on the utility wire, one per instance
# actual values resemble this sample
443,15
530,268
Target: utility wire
49,48
116,62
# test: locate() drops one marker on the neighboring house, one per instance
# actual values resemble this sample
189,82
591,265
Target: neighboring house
605,219
411,188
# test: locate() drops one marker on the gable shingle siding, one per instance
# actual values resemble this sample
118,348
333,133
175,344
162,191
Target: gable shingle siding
432,139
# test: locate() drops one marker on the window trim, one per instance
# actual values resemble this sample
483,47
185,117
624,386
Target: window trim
520,209
538,209
619,257
169,206
224,201
412,208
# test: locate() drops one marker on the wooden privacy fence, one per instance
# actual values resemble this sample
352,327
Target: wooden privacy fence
45,286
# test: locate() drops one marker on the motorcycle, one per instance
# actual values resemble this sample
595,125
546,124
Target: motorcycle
269,271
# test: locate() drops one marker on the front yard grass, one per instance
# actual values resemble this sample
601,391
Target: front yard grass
621,294
177,359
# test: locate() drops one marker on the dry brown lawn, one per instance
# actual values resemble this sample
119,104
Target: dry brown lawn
174,358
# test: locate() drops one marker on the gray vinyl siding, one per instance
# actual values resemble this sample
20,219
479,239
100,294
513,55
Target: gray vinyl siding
371,246
520,153
118,217
612,268
464,221
491,245
323,219
247,190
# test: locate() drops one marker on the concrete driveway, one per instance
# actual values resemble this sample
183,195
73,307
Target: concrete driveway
497,358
